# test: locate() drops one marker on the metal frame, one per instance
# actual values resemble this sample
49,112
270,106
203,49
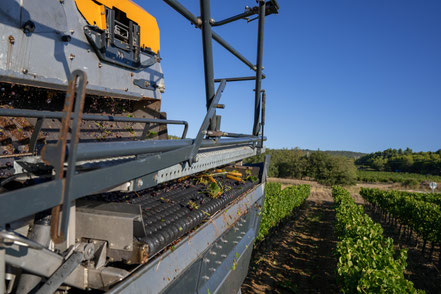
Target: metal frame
205,23
47,195
150,162
34,199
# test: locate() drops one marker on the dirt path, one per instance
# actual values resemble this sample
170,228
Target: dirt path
299,257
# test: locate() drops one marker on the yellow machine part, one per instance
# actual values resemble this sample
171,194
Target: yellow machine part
94,13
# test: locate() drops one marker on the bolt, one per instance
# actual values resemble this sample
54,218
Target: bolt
212,269
66,38
213,253
128,247
218,262
206,260
224,256
72,56
11,39
25,71
139,183
205,277
29,27
100,65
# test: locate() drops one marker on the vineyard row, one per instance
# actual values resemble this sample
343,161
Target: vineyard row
367,261
419,211
279,204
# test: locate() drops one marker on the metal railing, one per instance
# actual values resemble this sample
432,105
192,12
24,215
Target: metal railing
205,23
42,115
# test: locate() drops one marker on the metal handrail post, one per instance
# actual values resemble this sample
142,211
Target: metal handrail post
263,117
208,57
262,8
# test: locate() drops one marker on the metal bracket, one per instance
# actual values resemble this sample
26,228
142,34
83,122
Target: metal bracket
203,130
116,53
144,84
55,154
34,137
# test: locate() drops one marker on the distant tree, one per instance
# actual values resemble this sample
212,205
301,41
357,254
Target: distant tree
332,170
322,166
407,161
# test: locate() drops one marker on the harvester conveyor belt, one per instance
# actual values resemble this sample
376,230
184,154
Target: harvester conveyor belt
175,220
171,214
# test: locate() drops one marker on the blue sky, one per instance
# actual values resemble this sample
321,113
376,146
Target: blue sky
361,75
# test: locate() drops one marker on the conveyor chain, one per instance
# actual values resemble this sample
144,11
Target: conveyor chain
170,213
170,221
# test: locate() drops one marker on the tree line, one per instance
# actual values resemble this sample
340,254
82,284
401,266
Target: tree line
398,160
318,165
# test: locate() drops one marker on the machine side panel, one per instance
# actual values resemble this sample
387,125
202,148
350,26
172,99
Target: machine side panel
47,56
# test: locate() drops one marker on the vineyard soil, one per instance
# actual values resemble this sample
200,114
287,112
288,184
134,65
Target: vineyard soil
298,257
